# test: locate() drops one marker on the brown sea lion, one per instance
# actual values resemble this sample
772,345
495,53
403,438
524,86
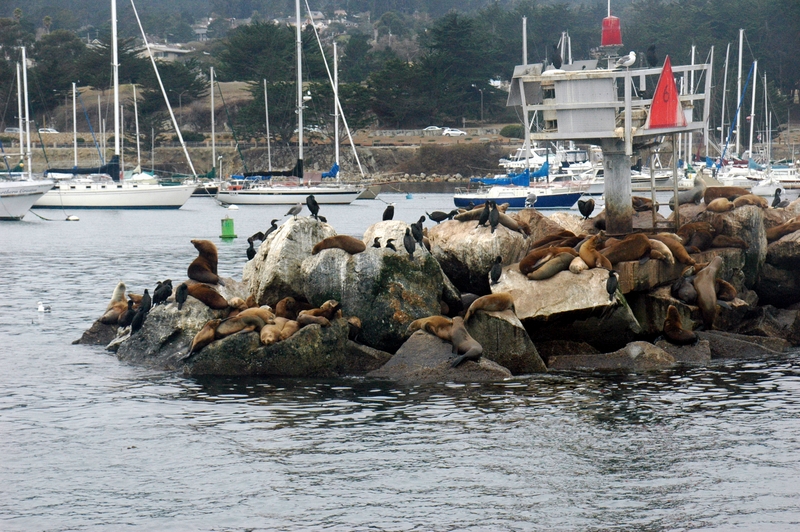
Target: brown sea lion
288,307
463,343
751,199
687,230
436,325
552,238
725,290
556,264
236,305
730,193
779,231
700,240
664,253
241,323
210,297
577,265
264,312
354,327
204,268
674,331
118,296
678,250
289,328
112,315
633,247
328,309
468,216
589,254
683,289
271,332
705,284
309,319
251,301
509,222
727,241
641,204
527,264
348,243
492,302
206,335
137,300
720,205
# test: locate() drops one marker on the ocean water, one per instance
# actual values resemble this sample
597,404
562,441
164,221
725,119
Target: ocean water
89,443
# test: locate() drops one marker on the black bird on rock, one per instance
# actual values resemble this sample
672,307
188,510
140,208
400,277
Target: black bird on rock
497,270
251,251
485,214
410,243
556,57
390,245
313,206
163,291
612,283
138,320
494,216
271,229
126,317
256,236
650,55
777,202
388,212
377,242
437,216
180,295
416,229
586,207
146,303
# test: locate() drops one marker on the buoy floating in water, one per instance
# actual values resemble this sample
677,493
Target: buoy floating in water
233,208
409,195
227,228
73,218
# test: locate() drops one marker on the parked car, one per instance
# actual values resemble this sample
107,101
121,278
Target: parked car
432,128
11,130
452,132
47,130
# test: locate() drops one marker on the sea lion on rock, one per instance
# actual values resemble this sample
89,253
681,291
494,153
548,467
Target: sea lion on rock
589,254
688,229
720,205
556,264
353,327
463,343
674,331
492,302
309,319
731,193
239,323
436,325
641,204
676,248
700,240
695,195
751,199
203,269
288,307
725,290
117,296
779,231
348,243
577,265
207,295
205,336
633,247
116,306
329,309
663,250
529,262
727,241
683,289
705,284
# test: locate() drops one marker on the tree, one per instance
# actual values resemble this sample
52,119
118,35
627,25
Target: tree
47,22
58,56
258,51
95,65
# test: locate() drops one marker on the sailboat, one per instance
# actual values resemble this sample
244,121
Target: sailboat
102,187
18,190
289,187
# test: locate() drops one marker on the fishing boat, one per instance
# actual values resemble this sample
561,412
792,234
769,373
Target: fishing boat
103,187
289,186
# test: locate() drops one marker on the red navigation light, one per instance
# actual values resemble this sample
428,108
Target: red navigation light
612,33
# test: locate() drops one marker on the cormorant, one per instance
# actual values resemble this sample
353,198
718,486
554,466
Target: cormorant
390,245
612,284
652,60
484,214
416,229
410,243
138,320
271,229
251,251
586,207
388,212
163,291
556,57
437,216
180,295
126,317
313,206
494,216
146,303
377,242
497,270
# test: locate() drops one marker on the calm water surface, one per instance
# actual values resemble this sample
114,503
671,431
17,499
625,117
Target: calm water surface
88,443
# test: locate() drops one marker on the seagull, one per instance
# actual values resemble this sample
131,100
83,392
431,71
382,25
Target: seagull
556,57
43,307
294,211
627,61
652,60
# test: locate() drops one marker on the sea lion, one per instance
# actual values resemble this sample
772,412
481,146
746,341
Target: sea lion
529,262
264,312
117,296
725,290
354,327
751,199
662,249
641,204
727,241
779,231
577,265
329,309
236,305
720,205
731,193
204,268
463,343
242,322
271,332
113,314
633,247
509,222
556,264
288,307
683,289
137,300
309,319
688,229
556,237
695,195
586,207
207,295
206,335
674,331
348,243
705,284
436,325
589,254
700,240
289,328
492,302
250,302
676,248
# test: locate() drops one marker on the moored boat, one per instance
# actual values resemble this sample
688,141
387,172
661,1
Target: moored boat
18,196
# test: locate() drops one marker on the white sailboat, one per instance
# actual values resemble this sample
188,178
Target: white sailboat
102,187
18,190
289,187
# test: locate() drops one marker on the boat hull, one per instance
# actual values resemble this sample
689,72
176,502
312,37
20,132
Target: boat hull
17,197
115,196
516,197
288,195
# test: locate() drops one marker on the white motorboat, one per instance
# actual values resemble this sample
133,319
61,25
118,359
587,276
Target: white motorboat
17,196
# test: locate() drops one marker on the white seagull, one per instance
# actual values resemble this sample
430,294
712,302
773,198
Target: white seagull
43,307
627,61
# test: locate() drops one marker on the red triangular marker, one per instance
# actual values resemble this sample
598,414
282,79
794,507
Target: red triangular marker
666,110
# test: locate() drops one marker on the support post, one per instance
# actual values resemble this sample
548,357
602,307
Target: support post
617,171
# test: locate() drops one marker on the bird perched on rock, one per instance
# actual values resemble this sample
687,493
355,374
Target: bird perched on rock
586,208
294,211
126,317
410,243
180,295
388,212
437,216
485,213
138,320
163,291
416,229
271,229
313,206
497,270
627,61
530,201
256,236
251,251
377,242
612,284
777,202
650,55
494,216
556,57
146,303
390,244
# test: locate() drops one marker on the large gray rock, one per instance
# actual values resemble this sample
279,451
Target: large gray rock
541,225
746,223
313,351
97,334
780,325
274,273
425,358
636,356
727,345
777,286
384,289
698,354
505,341
784,253
466,252
362,359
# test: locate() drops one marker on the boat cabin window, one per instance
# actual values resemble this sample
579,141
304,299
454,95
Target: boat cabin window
119,186
72,187
88,186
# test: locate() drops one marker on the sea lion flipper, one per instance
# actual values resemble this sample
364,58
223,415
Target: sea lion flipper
457,362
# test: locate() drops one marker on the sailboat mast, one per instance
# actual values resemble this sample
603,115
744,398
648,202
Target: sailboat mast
753,107
115,67
266,116
19,112
27,107
767,121
739,96
136,120
75,124
213,123
299,33
724,92
335,103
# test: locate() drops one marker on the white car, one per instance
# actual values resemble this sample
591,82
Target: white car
11,130
47,130
452,132
432,128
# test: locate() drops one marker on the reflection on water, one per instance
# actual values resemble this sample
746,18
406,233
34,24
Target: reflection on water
90,443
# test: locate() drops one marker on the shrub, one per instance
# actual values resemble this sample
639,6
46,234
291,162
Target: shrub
513,131
190,136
